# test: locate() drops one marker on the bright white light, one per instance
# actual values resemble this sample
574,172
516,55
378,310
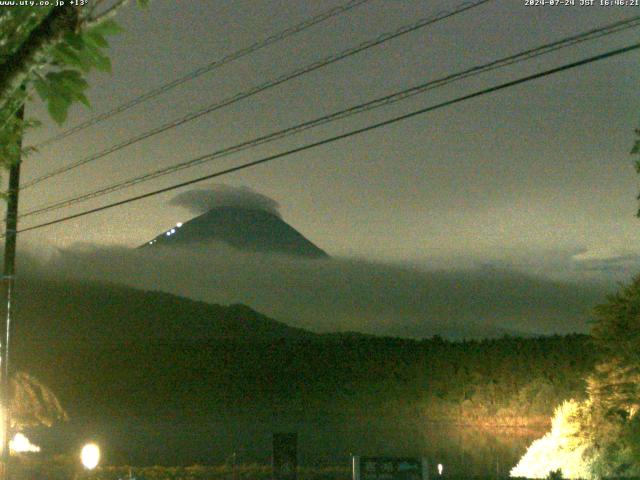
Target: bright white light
168,233
90,456
560,449
179,224
173,230
20,443
440,469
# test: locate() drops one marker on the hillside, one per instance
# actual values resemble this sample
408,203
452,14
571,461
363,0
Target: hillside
73,314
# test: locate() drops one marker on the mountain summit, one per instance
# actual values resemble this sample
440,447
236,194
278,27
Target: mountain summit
243,228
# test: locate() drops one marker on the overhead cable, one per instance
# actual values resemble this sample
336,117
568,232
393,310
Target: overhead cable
336,138
238,54
360,108
257,89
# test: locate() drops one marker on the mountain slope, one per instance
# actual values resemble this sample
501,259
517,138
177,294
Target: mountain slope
241,228
73,314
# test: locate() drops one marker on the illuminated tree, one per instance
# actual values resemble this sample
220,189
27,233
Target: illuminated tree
561,450
599,437
611,423
33,404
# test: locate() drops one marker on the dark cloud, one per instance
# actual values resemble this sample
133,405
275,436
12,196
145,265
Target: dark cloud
201,200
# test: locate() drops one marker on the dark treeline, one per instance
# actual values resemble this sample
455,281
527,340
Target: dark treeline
505,382
118,351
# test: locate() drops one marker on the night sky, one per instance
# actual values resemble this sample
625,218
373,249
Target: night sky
537,178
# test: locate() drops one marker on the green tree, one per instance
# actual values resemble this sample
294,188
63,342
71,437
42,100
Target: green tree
615,385
611,421
49,49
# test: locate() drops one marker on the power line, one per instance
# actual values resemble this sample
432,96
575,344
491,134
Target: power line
304,25
342,136
260,88
386,100
373,104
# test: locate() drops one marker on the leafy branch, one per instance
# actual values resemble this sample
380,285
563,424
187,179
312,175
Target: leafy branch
50,50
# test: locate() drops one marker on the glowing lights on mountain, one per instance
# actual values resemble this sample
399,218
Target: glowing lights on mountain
168,233
440,468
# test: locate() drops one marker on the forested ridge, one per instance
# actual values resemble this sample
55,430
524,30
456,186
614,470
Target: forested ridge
109,350
504,382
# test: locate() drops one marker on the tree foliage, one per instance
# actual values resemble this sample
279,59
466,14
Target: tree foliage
611,422
560,453
33,404
49,50
604,438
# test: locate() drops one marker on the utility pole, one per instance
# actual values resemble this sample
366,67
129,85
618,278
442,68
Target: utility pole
8,280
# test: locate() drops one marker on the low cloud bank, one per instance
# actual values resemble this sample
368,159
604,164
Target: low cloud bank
343,294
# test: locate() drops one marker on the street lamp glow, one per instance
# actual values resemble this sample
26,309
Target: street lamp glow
19,443
90,456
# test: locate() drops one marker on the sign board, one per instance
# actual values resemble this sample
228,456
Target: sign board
285,456
390,468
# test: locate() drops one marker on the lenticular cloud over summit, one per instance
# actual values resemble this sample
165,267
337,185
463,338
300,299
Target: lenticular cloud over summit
201,200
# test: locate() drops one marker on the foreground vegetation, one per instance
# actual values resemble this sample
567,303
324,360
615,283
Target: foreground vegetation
505,382
599,437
